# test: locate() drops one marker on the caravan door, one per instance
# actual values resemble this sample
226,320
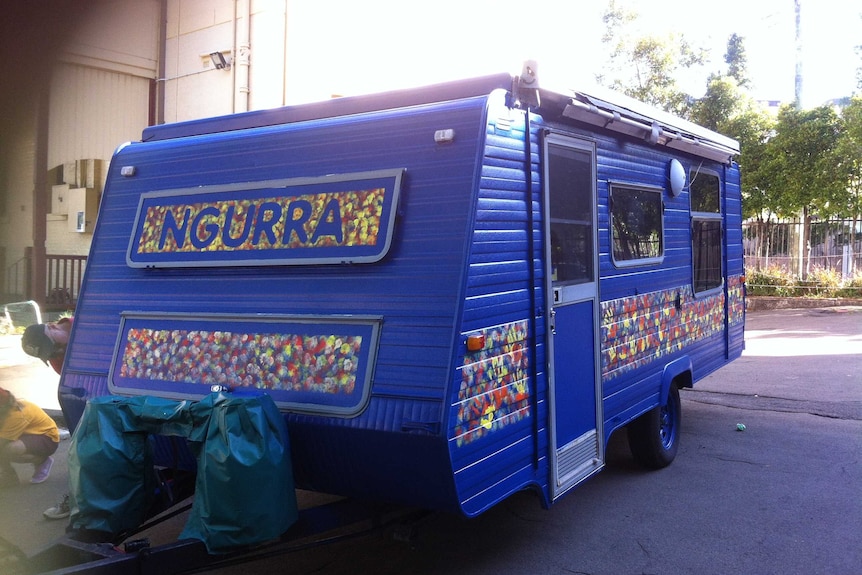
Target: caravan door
573,345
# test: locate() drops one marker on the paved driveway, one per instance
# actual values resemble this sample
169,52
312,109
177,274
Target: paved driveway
807,360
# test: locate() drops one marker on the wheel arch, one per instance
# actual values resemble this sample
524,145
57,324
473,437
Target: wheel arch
677,372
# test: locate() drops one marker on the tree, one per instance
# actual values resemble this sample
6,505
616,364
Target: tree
858,51
737,63
728,108
850,155
849,159
798,167
752,127
722,100
645,66
805,144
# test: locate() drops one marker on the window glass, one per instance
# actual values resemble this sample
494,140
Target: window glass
570,182
706,253
636,224
705,192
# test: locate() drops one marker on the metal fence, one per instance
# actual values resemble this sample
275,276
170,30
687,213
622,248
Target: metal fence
63,280
63,277
834,245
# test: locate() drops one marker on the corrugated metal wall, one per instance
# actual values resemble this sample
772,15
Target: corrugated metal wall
93,111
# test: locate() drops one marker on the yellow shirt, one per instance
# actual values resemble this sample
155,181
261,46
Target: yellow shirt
30,420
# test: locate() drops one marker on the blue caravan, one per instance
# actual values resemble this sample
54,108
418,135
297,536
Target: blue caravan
450,294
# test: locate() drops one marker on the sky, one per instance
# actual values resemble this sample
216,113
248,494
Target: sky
341,47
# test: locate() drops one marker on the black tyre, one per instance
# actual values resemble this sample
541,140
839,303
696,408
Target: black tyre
654,436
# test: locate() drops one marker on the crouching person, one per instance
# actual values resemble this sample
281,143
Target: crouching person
48,342
27,435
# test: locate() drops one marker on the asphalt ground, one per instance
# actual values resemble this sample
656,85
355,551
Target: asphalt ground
782,496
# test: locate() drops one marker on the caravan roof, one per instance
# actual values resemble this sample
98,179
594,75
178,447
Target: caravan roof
596,106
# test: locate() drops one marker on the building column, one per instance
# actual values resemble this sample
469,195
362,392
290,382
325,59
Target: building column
40,200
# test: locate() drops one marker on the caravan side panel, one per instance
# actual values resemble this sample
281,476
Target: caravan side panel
497,434
651,315
735,263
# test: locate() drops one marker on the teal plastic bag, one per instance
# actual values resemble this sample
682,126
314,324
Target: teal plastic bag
110,467
244,492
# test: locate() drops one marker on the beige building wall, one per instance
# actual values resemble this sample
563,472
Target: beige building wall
99,98
251,36
92,111
268,54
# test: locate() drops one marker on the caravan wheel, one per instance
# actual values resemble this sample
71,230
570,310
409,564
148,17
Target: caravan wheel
654,436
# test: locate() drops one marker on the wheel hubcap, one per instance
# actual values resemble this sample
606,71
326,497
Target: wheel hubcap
667,429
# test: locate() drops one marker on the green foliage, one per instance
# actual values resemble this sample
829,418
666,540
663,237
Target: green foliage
821,282
800,161
849,154
645,66
851,288
770,281
728,109
803,161
737,63
615,18
722,100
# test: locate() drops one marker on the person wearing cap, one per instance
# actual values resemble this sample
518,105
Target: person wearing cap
48,341
27,435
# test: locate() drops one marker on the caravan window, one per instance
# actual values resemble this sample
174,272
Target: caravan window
705,192
706,253
637,227
570,193
706,231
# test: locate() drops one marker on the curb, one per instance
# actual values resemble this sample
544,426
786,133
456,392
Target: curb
766,303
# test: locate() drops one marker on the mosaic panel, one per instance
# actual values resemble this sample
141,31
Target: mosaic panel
495,384
638,330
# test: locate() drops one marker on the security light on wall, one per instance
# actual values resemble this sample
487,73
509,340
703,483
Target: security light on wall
219,61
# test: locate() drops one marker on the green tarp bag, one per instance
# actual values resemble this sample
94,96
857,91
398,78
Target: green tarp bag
244,491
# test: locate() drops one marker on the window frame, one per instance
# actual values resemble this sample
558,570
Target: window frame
569,144
699,217
614,186
692,177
